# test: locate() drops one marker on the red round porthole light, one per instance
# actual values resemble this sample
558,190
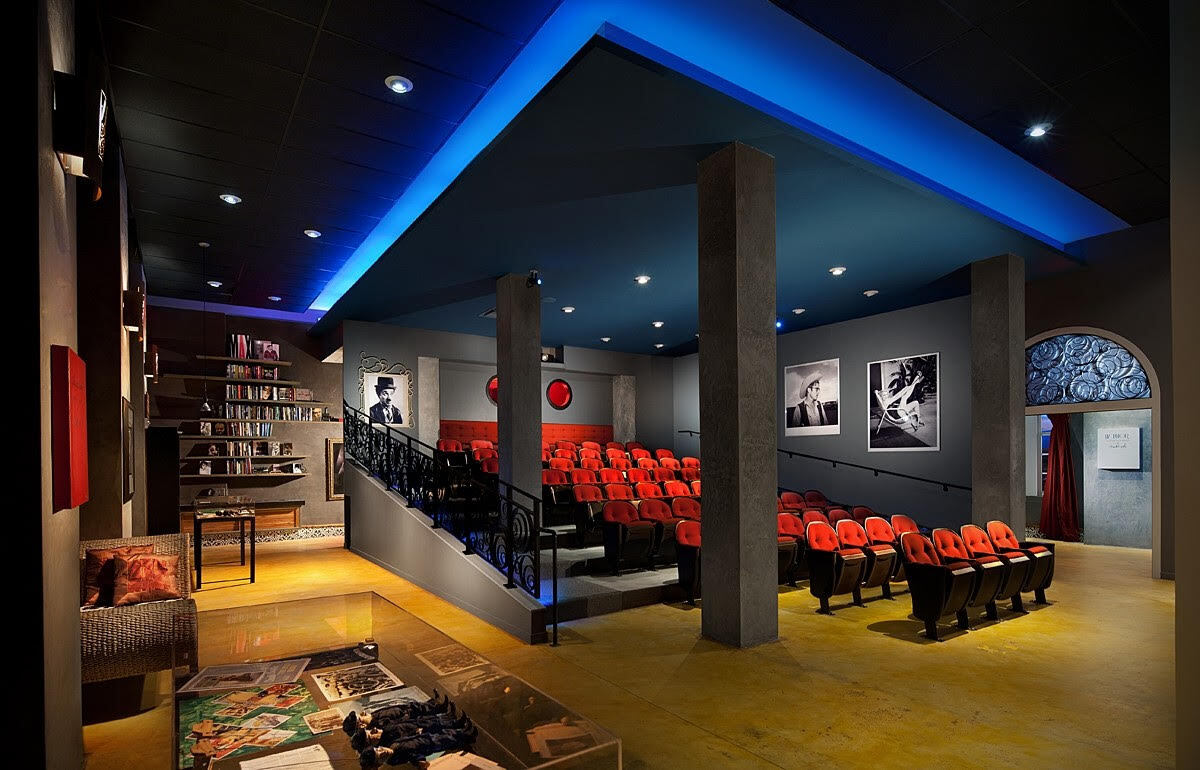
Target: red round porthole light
492,389
559,394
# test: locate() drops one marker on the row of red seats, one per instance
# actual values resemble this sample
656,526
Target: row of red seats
645,490
644,533
555,477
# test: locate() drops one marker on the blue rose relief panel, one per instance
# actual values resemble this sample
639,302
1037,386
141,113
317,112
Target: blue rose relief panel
1079,368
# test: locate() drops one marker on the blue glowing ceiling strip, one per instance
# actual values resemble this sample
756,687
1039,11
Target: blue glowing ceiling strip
761,55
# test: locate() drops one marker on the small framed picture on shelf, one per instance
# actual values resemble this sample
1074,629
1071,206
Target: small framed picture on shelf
303,394
206,467
318,414
274,448
263,448
213,450
206,429
285,448
218,429
270,351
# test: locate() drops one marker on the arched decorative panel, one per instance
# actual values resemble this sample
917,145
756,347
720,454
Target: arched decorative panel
1082,368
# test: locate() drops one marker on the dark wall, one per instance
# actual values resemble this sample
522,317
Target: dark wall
48,610
463,396
183,334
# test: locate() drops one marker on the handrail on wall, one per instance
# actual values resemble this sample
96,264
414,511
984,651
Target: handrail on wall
945,485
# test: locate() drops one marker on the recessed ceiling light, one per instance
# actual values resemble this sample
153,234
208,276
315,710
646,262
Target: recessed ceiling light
568,308
545,356
641,280
203,244
1038,130
312,233
214,284
798,310
658,345
606,339
778,324
870,292
398,83
837,270
657,324
231,199
275,298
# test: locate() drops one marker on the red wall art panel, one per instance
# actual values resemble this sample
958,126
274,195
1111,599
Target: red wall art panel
68,425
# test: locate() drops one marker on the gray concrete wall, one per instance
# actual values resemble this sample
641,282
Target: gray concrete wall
463,396
1116,503
401,540
685,386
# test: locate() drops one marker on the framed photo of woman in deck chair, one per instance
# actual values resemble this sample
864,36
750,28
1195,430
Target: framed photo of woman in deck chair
902,404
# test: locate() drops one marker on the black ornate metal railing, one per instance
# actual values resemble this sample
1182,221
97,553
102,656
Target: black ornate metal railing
945,485
492,518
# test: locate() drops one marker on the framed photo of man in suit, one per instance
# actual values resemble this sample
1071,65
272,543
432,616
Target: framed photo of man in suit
385,397
811,394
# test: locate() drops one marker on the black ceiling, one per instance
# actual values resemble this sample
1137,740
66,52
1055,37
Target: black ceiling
1096,69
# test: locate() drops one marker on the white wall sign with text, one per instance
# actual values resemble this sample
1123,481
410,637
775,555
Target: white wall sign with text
1119,449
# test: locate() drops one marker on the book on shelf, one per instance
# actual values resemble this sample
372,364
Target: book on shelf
260,392
240,346
264,412
251,372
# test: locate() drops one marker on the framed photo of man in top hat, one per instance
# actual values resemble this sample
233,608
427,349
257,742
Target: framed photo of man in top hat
385,397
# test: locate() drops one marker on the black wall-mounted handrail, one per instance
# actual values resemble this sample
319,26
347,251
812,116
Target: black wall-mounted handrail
945,485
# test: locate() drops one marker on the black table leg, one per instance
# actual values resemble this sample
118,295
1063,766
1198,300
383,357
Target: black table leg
253,529
242,540
197,529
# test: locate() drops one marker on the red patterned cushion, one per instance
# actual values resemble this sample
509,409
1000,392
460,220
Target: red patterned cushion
99,572
145,578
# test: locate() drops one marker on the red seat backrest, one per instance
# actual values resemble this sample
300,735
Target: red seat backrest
620,463
949,546
689,474
669,462
619,492
619,512
696,487
636,475
661,453
481,443
647,489
917,549
582,476
566,453
632,445
612,452
976,540
789,525
490,465
861,513
815,497
654,510
690,462
852,534
902,524
611,476
590,445
615,445
821,537
838,514
794,498
545,446
638,453
809,516
587,493
591,463
484,453
545,456
647,462
449,445
879,530
550,477
675,489
565,445
593,454
688,533
685,508
561,464
1002,536
663,474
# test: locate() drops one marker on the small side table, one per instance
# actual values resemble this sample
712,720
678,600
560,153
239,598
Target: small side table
198,523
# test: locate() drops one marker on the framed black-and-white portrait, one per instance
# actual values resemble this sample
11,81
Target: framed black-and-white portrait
903,413
385,398
811,396
335,469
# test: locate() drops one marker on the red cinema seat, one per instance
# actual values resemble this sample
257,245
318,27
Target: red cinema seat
565,445
647,463
861,513
676,489
611,476
687,558
902,525
660,514
632,445
789,527
481,443
686,508
612,454
591,454
816,499
587,493
617,445
582,476
554,486
592,445
618,492
567,454
1017,565
696,487
637,475
832,569
553,478
811,515
620,463
690,462
545,446
989,570
627,539
484,453
638,454
560,464
937,589
879,532
588,503
881,559
661,453
546,458
838,514
689,474
449,445
662,474
647,490
591,464
792,501
1041,554
490,465
669,462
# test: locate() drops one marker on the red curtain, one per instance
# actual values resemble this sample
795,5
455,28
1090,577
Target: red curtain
1060,510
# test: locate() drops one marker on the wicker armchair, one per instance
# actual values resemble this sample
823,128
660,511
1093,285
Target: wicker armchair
139,638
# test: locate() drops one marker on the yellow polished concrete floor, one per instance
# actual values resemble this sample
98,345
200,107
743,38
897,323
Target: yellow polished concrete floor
1086,681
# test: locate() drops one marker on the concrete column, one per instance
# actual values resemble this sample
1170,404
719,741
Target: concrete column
736,193
1185,319
519,368
998,391
624,408
429,399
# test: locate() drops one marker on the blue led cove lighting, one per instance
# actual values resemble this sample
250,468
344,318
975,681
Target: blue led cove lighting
768,59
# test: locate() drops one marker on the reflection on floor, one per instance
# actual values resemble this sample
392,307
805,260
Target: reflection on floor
1088,680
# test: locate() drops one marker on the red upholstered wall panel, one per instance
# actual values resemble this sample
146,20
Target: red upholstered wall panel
68,409
465,430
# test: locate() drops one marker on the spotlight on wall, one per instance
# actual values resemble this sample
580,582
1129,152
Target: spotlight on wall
837,270
534,278
778,324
